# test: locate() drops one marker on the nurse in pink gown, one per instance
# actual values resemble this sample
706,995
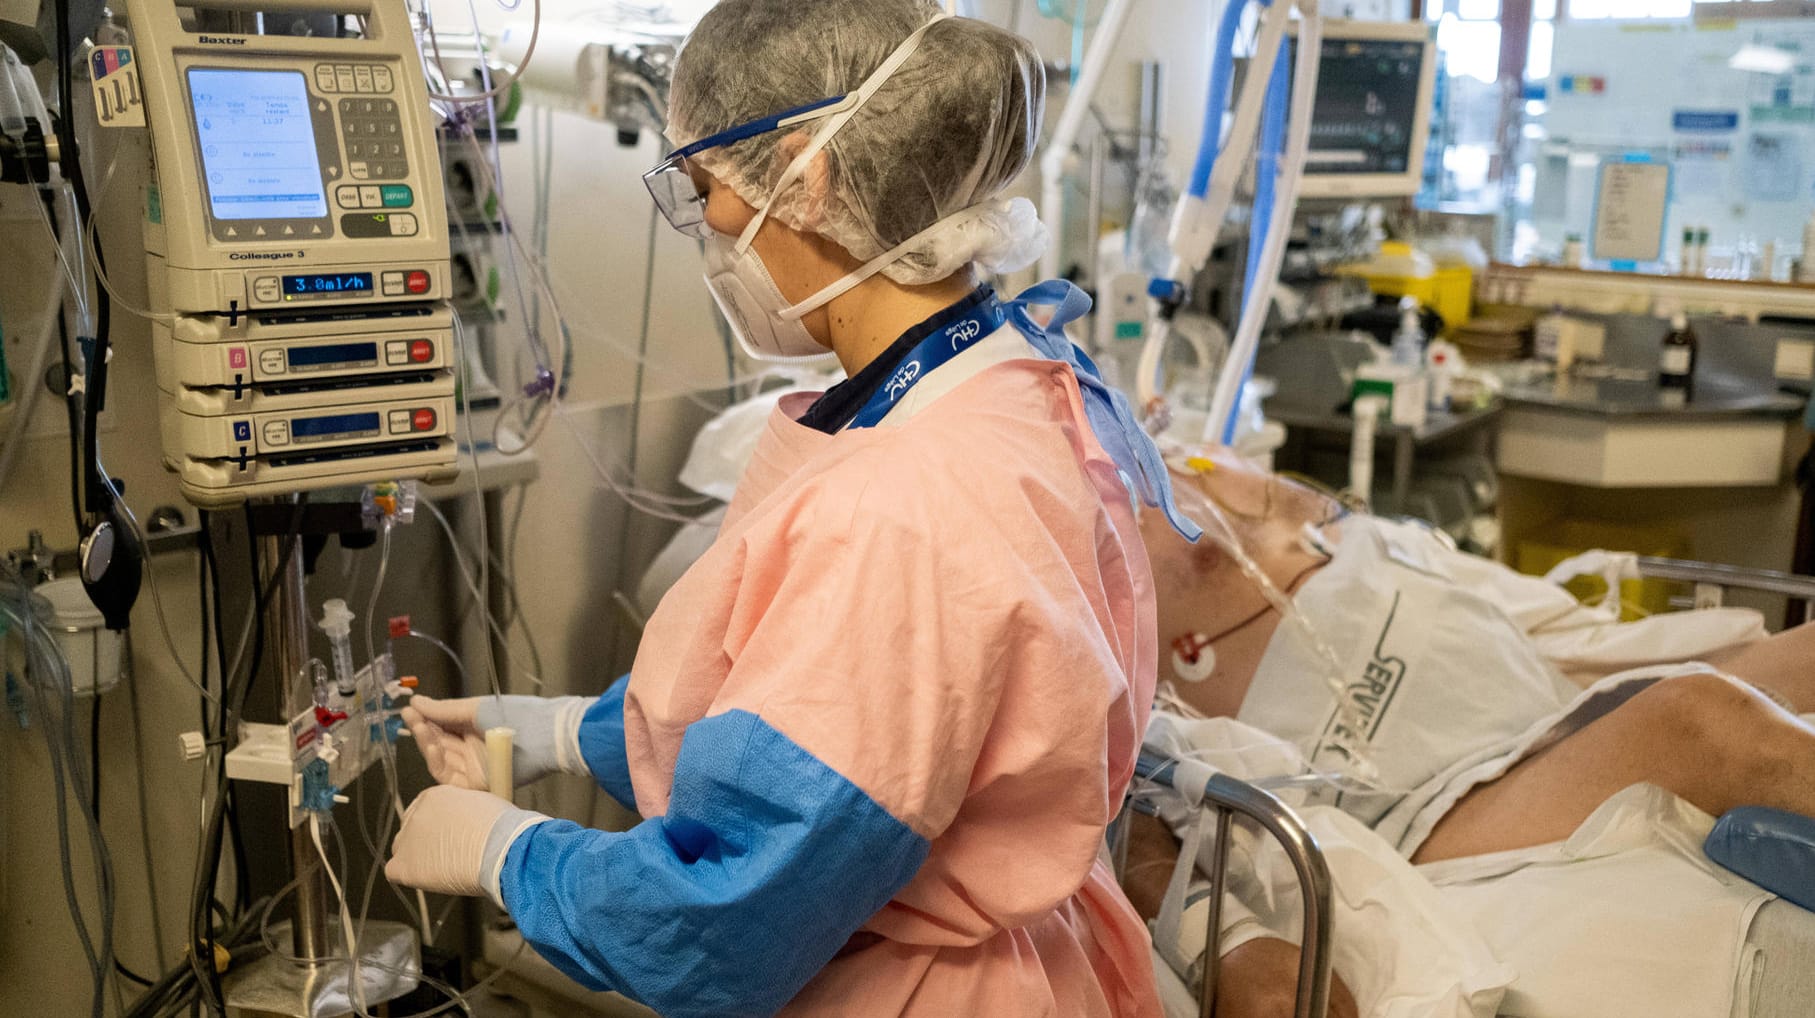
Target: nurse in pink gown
878,730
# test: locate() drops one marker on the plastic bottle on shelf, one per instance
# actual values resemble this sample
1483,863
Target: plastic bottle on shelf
1805,272
1408,342
1676,360
1442,362
1547,334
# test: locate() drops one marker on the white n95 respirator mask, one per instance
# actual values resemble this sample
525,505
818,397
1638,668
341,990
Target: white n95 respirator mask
766,327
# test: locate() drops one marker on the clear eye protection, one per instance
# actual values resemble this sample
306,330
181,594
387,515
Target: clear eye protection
671,182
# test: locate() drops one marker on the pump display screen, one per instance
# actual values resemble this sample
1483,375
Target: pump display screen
337,426
316,283
257,141
1366,109
336,354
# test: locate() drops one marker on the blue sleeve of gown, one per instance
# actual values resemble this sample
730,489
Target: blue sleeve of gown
764,866
602,744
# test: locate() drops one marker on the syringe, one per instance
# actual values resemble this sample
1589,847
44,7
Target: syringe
337,623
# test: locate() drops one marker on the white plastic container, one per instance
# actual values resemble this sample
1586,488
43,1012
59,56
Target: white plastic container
93,649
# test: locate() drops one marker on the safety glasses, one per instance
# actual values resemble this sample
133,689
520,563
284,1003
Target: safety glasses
671,183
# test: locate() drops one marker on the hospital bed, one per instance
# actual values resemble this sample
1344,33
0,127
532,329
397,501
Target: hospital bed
1781,936
1711,584
1230,798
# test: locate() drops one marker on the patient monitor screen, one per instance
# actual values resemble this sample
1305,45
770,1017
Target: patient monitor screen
258,144
1366,108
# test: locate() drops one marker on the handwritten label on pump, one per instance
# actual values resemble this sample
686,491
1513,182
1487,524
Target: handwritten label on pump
118,99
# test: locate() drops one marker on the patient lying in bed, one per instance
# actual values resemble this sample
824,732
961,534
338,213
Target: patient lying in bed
1500,714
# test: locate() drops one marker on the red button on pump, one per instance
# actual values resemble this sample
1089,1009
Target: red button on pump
416,282
422,351
423,420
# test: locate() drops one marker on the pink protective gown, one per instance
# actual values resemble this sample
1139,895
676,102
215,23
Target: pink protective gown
956,615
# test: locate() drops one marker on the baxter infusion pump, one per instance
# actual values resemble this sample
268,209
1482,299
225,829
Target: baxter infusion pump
297,251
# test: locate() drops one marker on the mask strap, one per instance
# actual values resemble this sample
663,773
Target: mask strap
875,265
846,109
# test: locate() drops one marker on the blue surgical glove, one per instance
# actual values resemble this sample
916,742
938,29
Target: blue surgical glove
454,840
451,734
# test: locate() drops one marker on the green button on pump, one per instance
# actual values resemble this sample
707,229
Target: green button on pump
398,196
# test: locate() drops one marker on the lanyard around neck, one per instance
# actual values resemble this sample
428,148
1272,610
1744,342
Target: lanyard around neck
930,354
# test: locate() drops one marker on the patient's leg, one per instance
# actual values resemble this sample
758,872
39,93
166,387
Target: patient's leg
1714,742
1259,978
1784,665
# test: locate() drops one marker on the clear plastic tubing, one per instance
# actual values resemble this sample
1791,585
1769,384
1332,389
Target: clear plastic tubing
1217,529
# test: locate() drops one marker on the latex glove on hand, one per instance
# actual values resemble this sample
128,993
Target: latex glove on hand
451,734
453,841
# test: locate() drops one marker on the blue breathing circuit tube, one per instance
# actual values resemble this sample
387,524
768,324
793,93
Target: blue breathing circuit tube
1266,183
1169,292
1222,74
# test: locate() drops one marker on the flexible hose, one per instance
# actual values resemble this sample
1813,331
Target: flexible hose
1255,308
1266,187
1222,72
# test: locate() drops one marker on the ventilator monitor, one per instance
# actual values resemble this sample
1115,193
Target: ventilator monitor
1371,118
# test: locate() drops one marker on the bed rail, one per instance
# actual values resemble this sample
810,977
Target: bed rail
1711,583
1230,798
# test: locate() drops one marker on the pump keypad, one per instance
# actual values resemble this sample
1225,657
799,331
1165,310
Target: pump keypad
371,132
369,78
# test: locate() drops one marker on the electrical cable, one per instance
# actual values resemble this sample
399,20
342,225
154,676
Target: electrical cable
529,51
151,871
47,215
157,602
496,168
234,691
636,400
94,751
485,565
88,241
71,403
508,569
459,999
473,588
46,665
174,991
98,494
218,728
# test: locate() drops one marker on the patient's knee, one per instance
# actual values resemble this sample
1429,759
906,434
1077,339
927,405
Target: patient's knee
1259,979
1700,718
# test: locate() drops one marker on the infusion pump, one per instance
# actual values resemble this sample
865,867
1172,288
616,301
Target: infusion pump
297,252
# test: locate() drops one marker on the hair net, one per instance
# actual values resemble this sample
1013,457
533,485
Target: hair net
947,132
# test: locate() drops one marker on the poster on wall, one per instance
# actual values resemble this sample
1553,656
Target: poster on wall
1631,200
1703,167
1773,166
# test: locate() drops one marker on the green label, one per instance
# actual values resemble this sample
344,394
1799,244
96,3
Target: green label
154,205
1783,114
1129,330
397,196
1374,386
